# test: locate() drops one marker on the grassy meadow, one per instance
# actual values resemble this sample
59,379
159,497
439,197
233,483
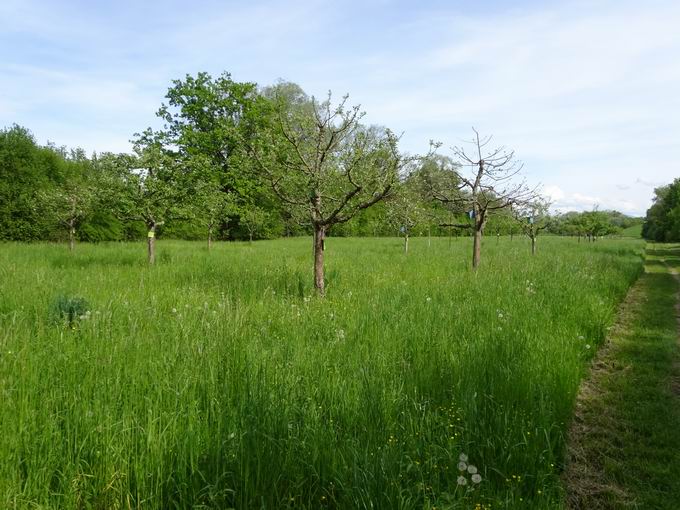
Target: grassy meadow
217,380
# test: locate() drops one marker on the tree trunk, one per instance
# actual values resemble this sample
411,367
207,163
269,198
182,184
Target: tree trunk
209,238
477,248
71,238
406,244
250,237
512,235
151,242
429,238
319,245
533,245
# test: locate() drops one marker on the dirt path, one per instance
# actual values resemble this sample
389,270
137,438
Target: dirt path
624,443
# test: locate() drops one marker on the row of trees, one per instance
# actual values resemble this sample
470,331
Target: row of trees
236,161
662,222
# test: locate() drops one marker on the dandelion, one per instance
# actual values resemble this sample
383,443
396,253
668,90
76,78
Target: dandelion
587,346
174,310
462,457
462,466
500,315
471,469
476,478
581,337
428,299
462,480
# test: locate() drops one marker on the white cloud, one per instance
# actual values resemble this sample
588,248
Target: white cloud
583,91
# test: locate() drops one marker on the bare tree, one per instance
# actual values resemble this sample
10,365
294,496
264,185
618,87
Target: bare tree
492,184
326,166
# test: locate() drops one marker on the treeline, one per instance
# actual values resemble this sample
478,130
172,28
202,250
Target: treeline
235,161
662,222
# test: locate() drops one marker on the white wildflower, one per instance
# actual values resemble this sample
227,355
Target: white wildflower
462,480
587,346
462,466
472,469
462,457
476,478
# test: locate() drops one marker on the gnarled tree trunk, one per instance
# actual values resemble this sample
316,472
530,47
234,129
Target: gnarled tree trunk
533,245
319,246
477,249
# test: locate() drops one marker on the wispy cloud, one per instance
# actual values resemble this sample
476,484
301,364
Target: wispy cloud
581,90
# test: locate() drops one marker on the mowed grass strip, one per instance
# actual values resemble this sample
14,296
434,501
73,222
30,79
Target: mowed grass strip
624,441
218,380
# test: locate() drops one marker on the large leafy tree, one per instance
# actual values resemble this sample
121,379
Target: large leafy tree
212,120
26,171
662,222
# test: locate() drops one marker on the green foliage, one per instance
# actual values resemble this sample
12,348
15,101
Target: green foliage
662,222
69,309
592,224
25,169
632,402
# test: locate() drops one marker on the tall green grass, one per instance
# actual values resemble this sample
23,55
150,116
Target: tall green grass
217,380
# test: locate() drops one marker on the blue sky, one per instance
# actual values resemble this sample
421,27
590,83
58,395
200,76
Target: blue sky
587,93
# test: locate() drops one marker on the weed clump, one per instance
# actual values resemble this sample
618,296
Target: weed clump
69,310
